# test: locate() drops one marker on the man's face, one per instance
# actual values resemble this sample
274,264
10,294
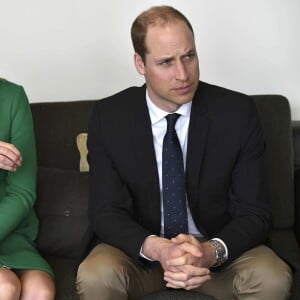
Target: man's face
171,67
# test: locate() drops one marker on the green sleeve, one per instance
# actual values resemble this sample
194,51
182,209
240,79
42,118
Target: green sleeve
17,189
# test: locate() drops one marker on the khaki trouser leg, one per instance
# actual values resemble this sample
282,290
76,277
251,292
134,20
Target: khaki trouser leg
108,273
258,274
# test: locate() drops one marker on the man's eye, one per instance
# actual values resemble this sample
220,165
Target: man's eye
189,56
165,62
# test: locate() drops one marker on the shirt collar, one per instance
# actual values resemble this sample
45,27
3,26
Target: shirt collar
157,114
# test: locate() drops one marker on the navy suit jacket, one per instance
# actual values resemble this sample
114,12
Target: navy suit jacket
225,171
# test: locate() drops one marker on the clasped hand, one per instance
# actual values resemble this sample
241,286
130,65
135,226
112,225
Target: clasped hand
185,260
10,157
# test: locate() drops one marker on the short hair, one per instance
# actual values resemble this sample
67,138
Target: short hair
156,15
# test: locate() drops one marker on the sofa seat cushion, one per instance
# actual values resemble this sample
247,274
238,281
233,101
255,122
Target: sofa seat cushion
65,277
62,198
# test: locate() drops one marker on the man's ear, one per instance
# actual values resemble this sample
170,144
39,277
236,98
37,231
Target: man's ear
139,64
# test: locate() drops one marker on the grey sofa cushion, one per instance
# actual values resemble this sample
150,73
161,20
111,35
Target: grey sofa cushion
62,198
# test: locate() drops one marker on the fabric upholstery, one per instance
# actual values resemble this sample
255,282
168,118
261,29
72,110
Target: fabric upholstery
297,205
276,119
296,143
62,210
66,277
63,190
56,126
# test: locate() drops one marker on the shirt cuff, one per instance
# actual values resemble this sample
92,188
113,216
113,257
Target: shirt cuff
141,250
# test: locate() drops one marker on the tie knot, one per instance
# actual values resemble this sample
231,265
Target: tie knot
171,119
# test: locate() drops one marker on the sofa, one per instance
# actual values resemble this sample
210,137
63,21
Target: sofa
63,190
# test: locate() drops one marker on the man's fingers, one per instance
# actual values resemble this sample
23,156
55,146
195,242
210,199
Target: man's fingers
188,281
195,271
181,238
177,261
176,280
186,259
176,285
191,248
188,285
196,281
186,272
188,244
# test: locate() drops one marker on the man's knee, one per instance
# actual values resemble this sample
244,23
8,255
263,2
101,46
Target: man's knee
101,275
265,275
93,275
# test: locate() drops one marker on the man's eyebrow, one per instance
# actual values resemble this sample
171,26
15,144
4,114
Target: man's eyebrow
170,58
191,51
166,58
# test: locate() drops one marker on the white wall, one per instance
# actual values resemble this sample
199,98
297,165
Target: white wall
63,50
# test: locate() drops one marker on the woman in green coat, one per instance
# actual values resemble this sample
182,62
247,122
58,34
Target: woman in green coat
24,274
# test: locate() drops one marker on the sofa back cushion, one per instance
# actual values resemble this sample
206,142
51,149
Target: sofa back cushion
276,119
62,198
56,126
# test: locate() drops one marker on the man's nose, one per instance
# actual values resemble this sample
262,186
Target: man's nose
181,72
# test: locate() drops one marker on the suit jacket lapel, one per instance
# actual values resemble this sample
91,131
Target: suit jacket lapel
143,148
143,142
197,140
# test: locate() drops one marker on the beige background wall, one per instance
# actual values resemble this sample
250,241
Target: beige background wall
81,49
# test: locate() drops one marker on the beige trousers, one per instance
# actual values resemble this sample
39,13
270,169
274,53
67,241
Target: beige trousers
108,273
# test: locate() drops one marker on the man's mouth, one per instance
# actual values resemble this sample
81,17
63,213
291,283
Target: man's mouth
184,89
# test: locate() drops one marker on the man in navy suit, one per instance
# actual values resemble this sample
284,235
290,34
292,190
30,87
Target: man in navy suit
222,253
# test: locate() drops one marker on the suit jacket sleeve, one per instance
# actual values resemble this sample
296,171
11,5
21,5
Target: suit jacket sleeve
110,203
248,194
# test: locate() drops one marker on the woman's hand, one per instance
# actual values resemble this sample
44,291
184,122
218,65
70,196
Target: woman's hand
10,157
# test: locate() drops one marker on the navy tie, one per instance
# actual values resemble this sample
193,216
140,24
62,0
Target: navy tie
173,181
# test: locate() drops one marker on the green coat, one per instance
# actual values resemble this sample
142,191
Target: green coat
18,221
